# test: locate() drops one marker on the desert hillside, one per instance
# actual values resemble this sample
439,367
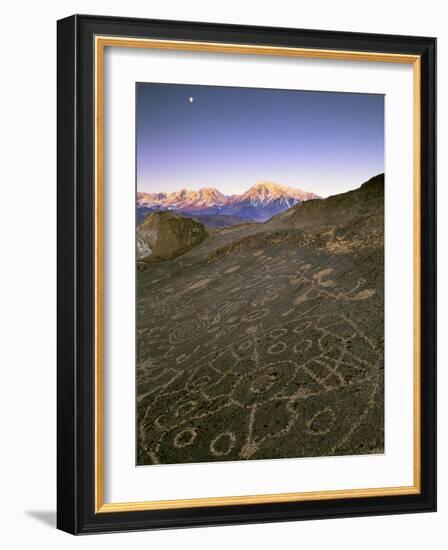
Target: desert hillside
263,340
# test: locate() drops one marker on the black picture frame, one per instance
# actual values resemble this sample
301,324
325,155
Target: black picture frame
76,264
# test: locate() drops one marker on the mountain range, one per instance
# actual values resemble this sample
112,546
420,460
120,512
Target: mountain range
259,203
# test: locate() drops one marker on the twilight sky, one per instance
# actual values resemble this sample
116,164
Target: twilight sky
231,138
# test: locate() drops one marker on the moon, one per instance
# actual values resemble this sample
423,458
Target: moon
191,99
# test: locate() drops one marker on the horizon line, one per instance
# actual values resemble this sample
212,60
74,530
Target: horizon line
258,182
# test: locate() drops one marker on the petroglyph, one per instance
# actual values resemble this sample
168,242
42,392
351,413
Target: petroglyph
269,350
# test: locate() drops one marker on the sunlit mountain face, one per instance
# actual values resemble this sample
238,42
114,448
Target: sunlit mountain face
259,203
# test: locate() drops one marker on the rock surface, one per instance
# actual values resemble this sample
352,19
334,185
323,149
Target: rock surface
266,340
166,235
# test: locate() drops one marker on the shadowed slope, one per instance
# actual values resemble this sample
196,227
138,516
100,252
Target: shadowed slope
361,203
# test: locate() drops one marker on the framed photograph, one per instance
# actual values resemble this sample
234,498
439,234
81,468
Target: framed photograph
246,274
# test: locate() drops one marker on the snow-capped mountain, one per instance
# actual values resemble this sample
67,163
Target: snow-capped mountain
267,192
208,197
258,203
265,199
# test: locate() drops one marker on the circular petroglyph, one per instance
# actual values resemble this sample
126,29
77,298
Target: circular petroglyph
277,332
302,346
185,438
223,444
277,348
260,385
322,422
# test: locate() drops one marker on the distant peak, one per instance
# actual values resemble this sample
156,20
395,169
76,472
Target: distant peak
271,190
267,186
210,192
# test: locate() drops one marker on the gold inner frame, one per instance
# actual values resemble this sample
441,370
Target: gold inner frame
101,42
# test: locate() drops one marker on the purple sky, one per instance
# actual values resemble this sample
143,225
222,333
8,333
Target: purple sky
231,138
